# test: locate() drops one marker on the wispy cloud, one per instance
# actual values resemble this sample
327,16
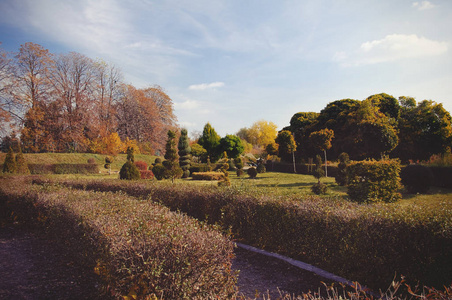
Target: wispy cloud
206,86
391,48
424,5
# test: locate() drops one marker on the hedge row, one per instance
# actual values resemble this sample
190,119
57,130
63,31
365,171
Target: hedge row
63,168
207,176
138,248
367,243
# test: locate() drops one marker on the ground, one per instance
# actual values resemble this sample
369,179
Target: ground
32,267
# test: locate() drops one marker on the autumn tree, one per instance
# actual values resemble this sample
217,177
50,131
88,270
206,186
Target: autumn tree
286,146
8,107
210,141
260,134
184,152
322,141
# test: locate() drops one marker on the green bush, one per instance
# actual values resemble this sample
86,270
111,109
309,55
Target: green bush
159,171
341,176
9,166
199,168
319,188
374,181
238,162
416,178
75,169
208,176
186,174
129,171
252,172
21,164
158,160
261,168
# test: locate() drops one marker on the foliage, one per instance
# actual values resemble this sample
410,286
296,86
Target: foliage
286,145
208,176
146,174
322,139
141,165
129,171
238,161
239,172
198,151
260,134
21,163
184,153
139,251
318,170
252,172
232,145
159,171
441,160
261,168
319,188
171,162
416,178
341,176
210,141
333,234
374,181
130,154
9,166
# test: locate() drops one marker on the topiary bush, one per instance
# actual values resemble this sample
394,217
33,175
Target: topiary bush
261,168
21,163
9,166
374,181
341,176
159,171
129,171
240,172
91,160
252,172
416,178
319,188
208,176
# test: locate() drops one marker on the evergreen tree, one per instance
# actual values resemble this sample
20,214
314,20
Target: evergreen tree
171,162
184,153
129,170
9,166
210,141
21,163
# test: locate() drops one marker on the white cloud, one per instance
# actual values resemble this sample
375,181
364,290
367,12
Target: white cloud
205,86
424,5
187,105
391,48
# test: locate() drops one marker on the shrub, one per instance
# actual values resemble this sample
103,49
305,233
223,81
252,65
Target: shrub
341,176
261,168
186,174
158,160
252,172
75,169
319,188
318,172
374,181
21,163
416,178
240,172
141,165
9,166
238,162
91,160
129,171
146,174
208,176
159,171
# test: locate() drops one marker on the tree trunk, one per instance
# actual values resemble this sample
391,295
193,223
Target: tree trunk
293,159
326,169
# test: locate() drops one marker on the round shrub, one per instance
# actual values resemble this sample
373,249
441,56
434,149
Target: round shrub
319,188
240,172
159,171
129,171
91,160
252,172
186,174
146,174
158,160
261,168
141,165
417,178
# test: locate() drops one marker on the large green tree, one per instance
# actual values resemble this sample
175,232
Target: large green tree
322,141
286,146
232,145
210,141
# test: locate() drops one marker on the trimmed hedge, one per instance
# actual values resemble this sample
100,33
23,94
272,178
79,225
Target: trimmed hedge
138,248
374,181
63,168
208,176
366,243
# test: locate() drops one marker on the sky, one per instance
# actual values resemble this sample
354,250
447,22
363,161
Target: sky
232,63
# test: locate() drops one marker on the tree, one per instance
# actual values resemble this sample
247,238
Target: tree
322,140
319,188
210,141
171,161
286,146
184,152
232,145
21,163
7,103
198,151
260,134
9,166
129,170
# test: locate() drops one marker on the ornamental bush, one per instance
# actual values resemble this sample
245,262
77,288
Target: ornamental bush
417,178
374,181
208,176
21,163
341,176
252,172
146,174
159,171
9,165
129,171
261,168
319,188
141,165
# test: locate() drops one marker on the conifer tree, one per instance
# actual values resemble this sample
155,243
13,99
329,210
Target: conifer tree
184,153
9,166
21,163
171,162
129,170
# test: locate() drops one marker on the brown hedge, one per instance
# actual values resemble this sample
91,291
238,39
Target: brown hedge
208,176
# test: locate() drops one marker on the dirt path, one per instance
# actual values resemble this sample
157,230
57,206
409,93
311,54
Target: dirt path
31,267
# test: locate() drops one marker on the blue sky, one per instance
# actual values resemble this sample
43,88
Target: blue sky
232,63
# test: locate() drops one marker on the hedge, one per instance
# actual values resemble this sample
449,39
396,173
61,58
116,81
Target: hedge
366,243
208,176
138,248
63,168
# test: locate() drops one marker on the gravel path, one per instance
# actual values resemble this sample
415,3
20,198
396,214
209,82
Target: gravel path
32,267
